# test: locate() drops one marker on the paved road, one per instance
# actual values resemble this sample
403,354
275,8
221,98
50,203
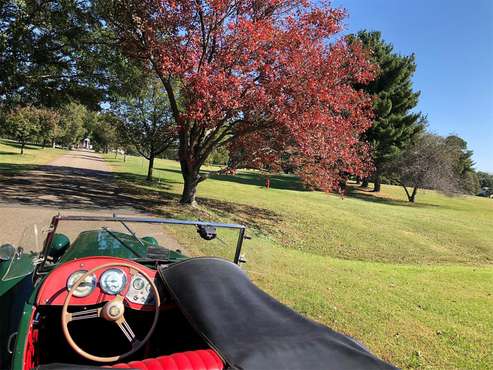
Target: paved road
79,182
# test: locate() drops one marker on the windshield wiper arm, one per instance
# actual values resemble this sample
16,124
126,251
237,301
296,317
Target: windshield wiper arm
122,243
133,234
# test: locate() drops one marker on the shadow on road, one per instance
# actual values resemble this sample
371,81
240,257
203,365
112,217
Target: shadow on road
62,187
65,187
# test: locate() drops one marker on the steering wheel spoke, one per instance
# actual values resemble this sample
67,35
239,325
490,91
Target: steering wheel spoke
126,329
83,315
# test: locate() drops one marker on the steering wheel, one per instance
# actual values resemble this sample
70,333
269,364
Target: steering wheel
112,311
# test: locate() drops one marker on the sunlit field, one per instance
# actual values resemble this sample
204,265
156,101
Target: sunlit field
414,282
11,160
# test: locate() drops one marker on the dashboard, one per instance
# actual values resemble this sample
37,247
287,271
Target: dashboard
99,287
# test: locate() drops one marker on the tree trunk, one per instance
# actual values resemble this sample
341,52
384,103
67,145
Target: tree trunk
412,198
377,185
364,182
189,189
22,147
358,180
151,166
190,181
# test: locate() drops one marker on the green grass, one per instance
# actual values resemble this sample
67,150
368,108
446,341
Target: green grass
414,282
12,161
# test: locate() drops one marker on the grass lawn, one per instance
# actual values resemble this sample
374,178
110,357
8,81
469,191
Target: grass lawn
11,160
414,282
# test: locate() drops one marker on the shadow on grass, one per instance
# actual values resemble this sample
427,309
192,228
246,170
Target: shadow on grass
10,153
166,203
262,219
354,191
17,145
282,182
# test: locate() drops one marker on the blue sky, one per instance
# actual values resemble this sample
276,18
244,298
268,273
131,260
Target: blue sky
453,43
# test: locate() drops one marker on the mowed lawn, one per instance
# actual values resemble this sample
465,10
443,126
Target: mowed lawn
414,282
11,160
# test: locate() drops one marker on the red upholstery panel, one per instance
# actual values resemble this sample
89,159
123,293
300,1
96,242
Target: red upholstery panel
192,360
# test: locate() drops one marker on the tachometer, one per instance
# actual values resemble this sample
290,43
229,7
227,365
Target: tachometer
113,281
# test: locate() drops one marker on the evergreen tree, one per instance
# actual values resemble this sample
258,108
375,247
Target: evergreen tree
463,164
395,124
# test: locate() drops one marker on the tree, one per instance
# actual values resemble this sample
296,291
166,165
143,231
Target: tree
427,164
73,117
54,52
394,123
485,180
146,122
232,69
464,165
105,134
22,124
48,121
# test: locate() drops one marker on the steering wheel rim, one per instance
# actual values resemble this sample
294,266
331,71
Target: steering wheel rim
102,313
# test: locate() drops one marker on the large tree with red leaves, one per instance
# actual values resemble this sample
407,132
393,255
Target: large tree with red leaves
263,77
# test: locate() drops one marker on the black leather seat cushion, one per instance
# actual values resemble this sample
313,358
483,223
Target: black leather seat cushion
252,331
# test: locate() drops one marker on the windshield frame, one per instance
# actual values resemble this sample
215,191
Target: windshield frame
41,268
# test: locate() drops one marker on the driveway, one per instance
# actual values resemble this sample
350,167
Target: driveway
79,182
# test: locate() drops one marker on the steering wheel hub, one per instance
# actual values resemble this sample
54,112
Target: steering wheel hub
113,310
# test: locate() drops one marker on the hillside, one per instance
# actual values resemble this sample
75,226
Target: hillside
414,282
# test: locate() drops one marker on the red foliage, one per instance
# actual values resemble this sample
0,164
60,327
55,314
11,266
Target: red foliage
263,76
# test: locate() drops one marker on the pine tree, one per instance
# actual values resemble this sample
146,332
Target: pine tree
395,123
464,165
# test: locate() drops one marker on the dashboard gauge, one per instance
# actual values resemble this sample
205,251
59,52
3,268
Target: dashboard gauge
86,287
138,283
113,281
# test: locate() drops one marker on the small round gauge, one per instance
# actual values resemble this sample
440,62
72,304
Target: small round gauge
138,283
113,281
86,287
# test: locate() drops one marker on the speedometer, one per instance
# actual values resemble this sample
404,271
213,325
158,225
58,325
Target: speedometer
113,281
84,288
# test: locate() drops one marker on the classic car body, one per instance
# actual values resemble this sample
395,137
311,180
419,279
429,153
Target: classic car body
110,298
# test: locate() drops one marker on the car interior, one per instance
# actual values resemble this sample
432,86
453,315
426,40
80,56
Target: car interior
173,343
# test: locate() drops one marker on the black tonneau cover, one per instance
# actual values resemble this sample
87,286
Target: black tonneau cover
252,331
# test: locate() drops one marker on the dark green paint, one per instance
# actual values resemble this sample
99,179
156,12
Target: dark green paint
102,243
151,240
59,245
17,293
18,360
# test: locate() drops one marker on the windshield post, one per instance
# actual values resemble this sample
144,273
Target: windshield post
239,244
48,240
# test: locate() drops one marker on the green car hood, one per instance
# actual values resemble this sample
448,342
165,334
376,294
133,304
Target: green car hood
114,244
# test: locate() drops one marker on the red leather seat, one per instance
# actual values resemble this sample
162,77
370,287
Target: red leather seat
191,360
